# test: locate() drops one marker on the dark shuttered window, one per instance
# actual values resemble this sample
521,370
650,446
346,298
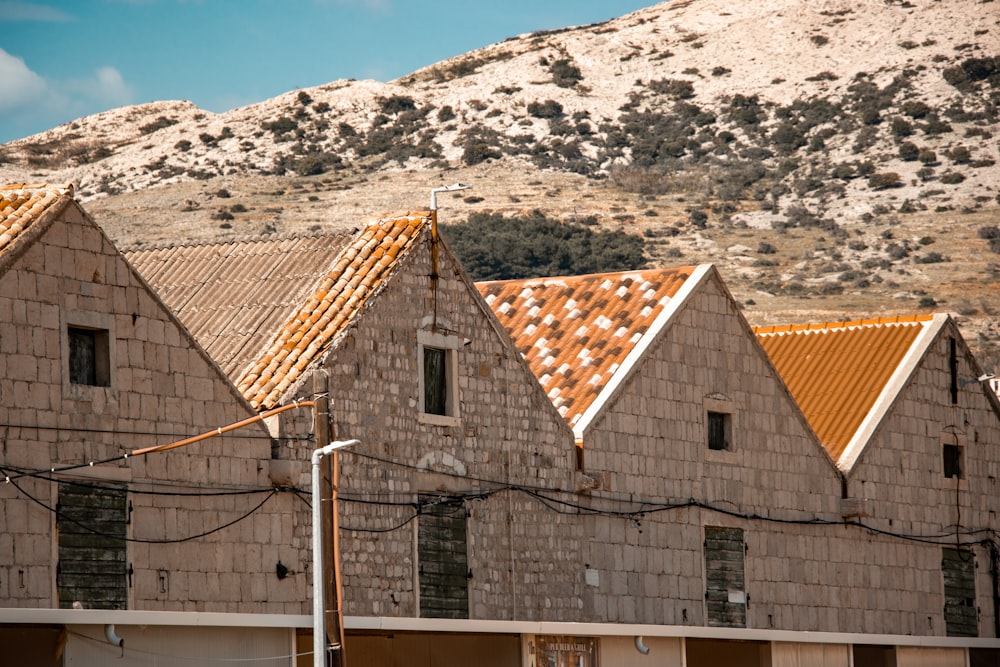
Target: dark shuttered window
92,523
958,567
725,589
443,556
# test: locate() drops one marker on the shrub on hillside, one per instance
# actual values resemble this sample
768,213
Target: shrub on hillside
901,128
480,145
546,109
909,151
564,73
960,155
884,180
927,156
158,124
492,247
678,89
396,104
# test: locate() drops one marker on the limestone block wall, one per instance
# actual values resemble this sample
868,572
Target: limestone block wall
524,558
651,443
901,478
162,388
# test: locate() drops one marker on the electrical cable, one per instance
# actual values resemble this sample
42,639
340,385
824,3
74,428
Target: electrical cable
218,431
637,509
93,531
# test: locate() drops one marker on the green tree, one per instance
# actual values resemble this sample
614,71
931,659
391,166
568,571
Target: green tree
492,247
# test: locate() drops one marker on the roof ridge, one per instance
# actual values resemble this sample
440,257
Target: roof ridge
582,276
61,188
274,237
338,298
825,327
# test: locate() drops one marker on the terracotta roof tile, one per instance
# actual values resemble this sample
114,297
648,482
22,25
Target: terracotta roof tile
576,331
357,274
21,205
836,371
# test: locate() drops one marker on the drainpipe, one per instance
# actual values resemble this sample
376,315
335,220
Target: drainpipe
319,603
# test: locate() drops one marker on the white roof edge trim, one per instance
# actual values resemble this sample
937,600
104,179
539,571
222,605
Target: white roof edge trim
897,381
639,350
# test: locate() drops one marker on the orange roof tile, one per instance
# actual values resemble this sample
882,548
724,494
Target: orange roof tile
575,332
22,205
837,371
357,274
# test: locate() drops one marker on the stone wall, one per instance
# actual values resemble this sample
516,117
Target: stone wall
524,559
162,388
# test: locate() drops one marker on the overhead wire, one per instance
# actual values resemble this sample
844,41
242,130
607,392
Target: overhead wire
634,508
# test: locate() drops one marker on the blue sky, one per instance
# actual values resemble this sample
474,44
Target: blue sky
63,59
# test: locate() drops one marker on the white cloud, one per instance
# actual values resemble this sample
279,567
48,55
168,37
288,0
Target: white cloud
22,87
31,103
26,11
111,87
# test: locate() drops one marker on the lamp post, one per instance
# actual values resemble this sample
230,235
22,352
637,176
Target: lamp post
319,601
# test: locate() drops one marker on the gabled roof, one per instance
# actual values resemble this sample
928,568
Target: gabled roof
22,206
845,375
267,309
234,295
340,294
577,332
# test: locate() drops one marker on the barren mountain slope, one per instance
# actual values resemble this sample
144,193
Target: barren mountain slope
836,159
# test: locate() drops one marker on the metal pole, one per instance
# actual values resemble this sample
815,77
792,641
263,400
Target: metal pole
319,602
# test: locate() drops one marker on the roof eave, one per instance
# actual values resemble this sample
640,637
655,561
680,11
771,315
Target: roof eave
638,352
890,394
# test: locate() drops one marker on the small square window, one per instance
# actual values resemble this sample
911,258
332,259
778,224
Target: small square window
89,356
719,431
435,381
952,455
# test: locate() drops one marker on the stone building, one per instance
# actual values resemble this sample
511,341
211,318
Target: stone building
444,503
96,370
904,410
861,514
596,470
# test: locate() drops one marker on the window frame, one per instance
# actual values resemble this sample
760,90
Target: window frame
105,362
712,429
719,404
449,345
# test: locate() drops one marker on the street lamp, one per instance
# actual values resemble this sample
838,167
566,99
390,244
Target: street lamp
319,603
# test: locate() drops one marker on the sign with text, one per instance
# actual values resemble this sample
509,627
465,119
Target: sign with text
565,651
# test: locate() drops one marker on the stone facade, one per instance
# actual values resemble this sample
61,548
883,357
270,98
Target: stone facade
160,387
650,443
617,532
523,560
900,478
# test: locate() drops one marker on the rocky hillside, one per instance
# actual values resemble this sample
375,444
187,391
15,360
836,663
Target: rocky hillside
837,159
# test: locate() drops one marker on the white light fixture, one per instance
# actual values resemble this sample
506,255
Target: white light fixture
985,377
446,188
